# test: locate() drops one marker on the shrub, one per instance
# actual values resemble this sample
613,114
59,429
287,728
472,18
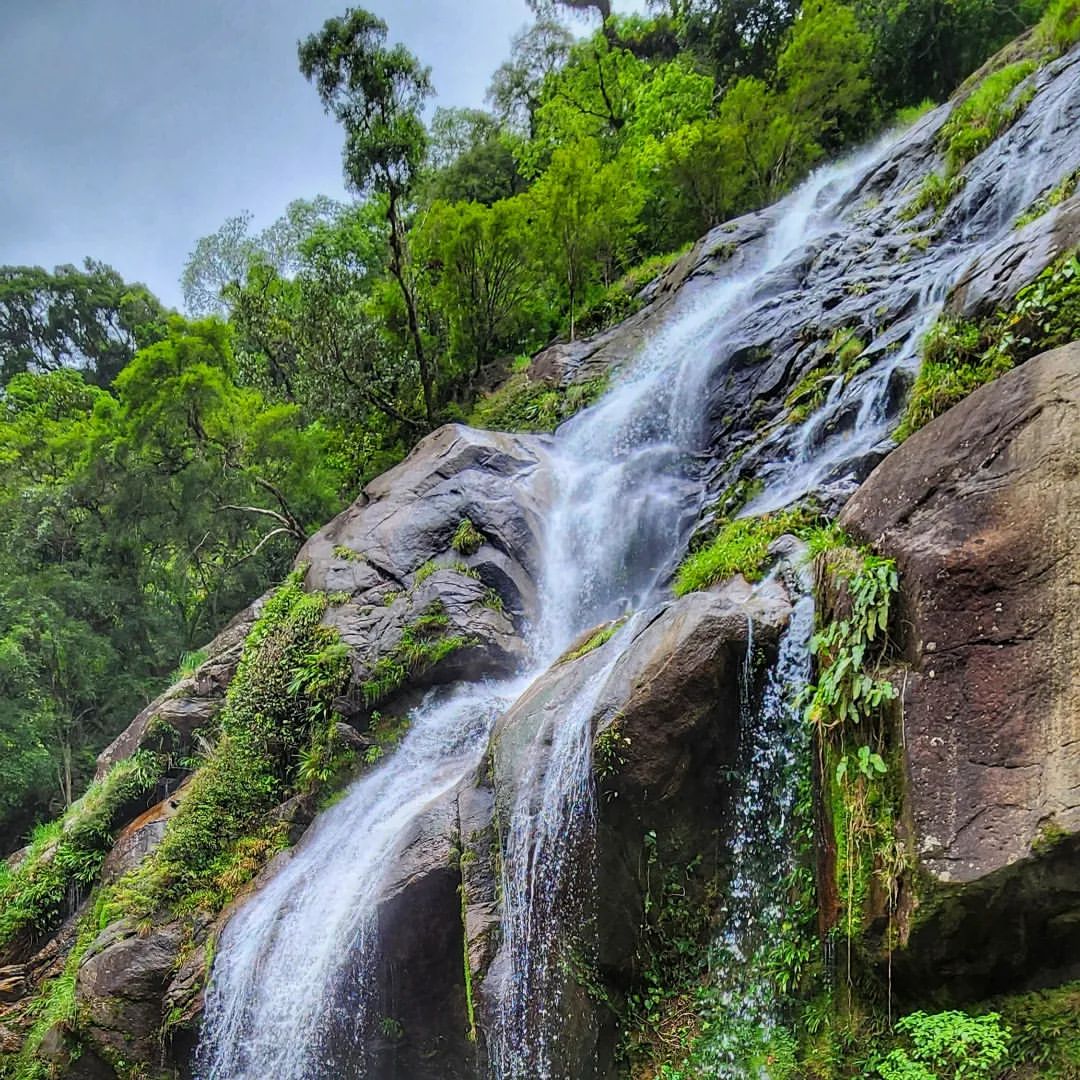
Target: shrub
935,193
741,547
467,539
65,857
1059,28
988,110
912,113
291,670
526,404
949,1045
960,355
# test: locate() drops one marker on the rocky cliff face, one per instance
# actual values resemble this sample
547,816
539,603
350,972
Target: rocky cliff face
979,510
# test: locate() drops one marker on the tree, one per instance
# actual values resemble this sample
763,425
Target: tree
377,94
470,159
221,260
89,319
478,260
587,216
824,70
734,38
516,87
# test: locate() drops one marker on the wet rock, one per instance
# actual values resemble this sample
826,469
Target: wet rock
390,554
996,276
981,510
666,725
120,988
421,1022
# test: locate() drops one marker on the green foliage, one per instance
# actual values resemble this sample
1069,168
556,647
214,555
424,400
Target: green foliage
989,109
948,1045
661,1022
609,749
467,539
1054,197
1045,1037
88,320
911,114
839,359
423,644
959,355
278,702
935,193
847,691
621,300
526,404
53,1006
594,641
64,859
1059,28
741,547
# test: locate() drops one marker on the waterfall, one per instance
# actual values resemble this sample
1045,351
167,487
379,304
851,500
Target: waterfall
290,990
774,745
290,995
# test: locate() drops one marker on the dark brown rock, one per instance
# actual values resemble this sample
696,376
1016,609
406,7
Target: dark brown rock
120,988
981,510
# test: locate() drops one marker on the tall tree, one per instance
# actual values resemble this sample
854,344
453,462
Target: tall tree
377,93
221,260
87,319
517,85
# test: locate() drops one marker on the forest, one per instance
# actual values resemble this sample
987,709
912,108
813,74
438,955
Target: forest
161,469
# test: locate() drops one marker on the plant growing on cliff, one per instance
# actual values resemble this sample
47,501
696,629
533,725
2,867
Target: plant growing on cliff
987,111
422,645
467,538
949,1045
960,355
291,670
741,547
64,859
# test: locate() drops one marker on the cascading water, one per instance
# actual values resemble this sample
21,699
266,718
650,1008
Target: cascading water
773,747
290,992
287,997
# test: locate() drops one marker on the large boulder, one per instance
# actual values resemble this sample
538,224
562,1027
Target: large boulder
120,987
664,707
981,510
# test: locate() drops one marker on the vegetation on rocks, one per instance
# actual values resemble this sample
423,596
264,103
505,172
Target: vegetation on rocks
280,699
741,546
64,858
961,355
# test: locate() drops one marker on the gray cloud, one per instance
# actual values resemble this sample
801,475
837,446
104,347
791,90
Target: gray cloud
130,128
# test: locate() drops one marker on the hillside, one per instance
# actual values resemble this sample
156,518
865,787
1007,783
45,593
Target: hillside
707,707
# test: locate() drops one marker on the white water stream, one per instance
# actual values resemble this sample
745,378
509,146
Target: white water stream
290,992
289,996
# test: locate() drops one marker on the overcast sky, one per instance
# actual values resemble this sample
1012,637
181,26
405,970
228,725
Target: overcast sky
130,128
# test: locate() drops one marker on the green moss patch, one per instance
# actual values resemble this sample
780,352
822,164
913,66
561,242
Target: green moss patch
740,547
961,355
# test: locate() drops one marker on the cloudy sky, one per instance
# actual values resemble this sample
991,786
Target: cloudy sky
130,128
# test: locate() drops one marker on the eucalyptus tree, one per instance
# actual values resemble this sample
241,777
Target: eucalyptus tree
377,92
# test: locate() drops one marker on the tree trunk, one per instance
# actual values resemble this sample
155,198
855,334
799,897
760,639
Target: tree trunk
397,268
